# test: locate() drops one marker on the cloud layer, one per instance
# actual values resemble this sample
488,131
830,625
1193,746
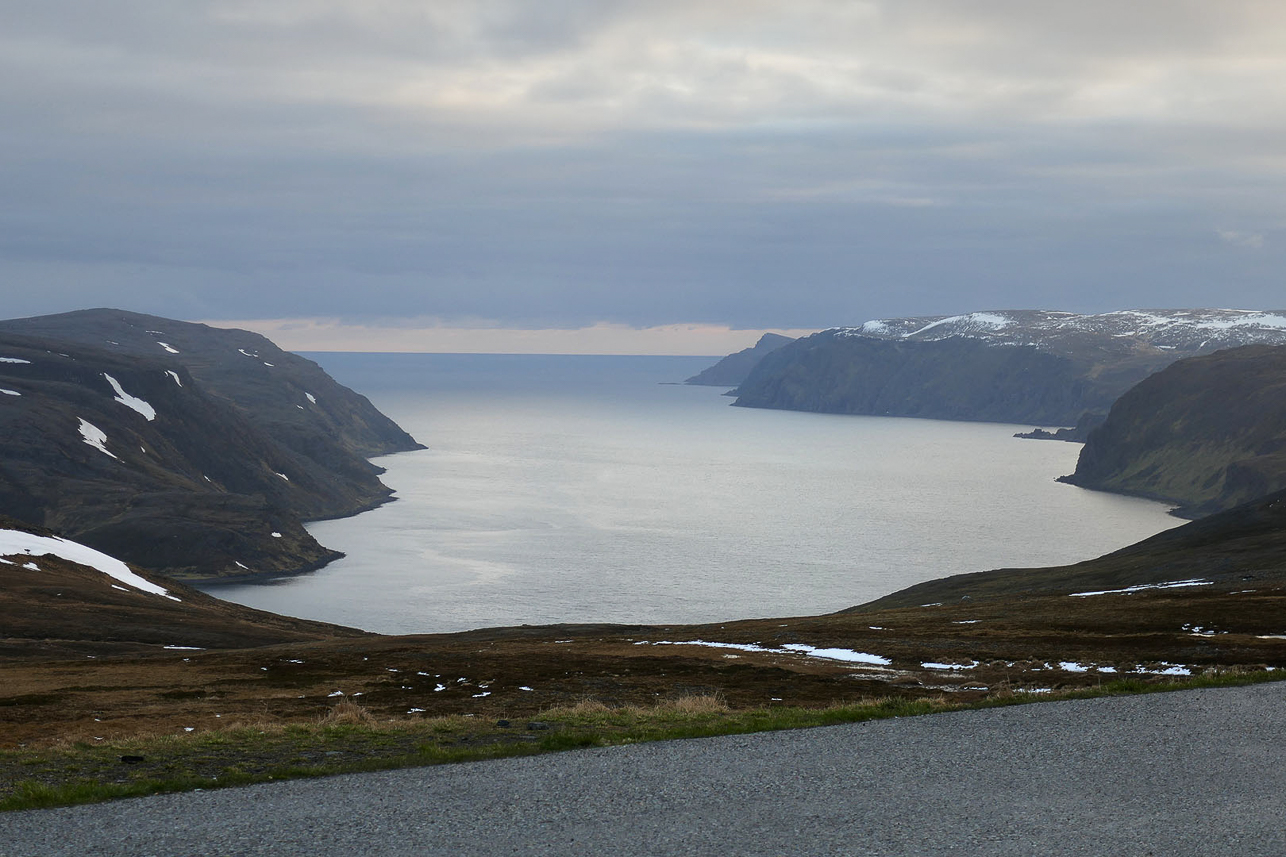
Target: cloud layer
750,164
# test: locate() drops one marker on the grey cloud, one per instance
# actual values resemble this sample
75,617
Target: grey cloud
751,163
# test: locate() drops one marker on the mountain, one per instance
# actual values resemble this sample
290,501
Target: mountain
61,599
1207,433
733,369
1019,366
182,448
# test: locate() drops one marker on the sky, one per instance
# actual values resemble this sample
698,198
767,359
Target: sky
664,176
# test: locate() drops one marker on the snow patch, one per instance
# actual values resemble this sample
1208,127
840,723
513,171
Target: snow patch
15,542
310,397
31,566
95,437
1177,584
283,476
13,360
174,375
167,347
932,665
830,654
847,655
9,392
131,402
276,535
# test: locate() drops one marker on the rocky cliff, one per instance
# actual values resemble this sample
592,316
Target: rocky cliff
1207,433
1021,366
178,447
733,369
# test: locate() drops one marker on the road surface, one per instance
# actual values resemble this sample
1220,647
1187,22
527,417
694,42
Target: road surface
1191,773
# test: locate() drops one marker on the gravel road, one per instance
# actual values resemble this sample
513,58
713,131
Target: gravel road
1193,773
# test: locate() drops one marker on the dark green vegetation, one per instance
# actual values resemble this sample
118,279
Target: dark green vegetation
733,369
245,441
1208,433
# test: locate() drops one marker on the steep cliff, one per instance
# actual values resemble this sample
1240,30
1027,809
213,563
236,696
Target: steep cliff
1207,433
733,369
1021,366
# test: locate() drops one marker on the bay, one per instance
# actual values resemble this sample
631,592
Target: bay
588,489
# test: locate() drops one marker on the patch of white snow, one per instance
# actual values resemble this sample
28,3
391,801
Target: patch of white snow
14,542
174,375
310,397
167,347
10,392
131,402
932,665
13,360
847,655
1178,584
95,437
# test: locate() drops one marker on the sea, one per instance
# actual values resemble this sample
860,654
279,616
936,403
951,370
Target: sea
579,489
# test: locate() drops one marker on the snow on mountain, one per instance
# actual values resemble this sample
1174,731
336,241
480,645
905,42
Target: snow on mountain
94,436
1195,330
18,543
131,402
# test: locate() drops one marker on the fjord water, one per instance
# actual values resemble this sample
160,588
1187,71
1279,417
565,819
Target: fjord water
586,489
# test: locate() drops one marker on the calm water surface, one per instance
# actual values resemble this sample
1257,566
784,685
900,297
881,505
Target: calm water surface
578,489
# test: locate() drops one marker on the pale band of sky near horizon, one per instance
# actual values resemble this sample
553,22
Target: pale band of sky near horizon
313,334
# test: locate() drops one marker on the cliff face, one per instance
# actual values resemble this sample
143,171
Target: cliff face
186,449
1206,433
733,369
952,379
1021,366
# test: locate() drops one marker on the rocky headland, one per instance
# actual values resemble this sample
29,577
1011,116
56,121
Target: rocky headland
1207,433
733,369
193,451
1018,366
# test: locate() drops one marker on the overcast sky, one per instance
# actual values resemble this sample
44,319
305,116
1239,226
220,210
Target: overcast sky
342,166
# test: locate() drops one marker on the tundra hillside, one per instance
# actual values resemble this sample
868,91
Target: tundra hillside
190,450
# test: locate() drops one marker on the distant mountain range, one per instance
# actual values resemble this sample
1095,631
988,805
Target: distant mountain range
1017,366
191,450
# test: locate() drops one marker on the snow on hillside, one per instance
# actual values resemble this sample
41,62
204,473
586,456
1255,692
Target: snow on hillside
131,402
18,543
1183,329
